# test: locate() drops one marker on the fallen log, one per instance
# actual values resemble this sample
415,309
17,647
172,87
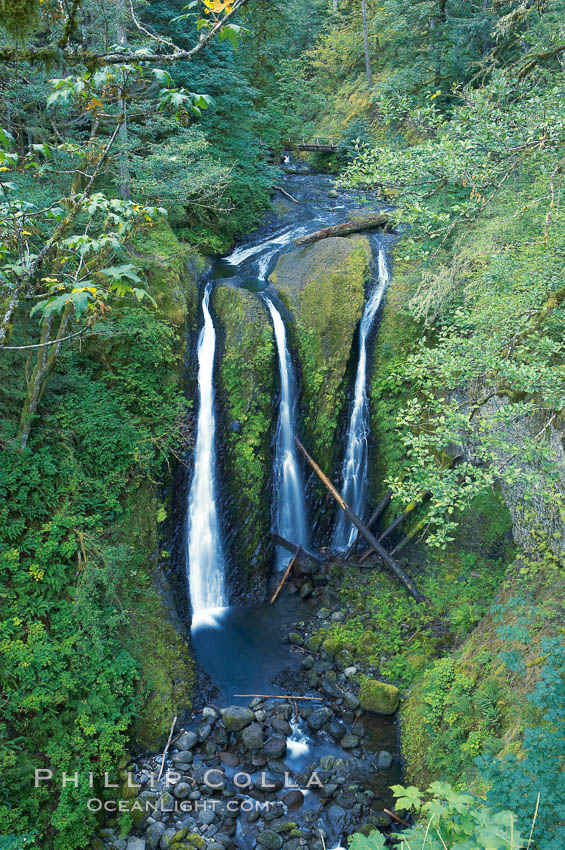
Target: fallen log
276,696
291,563
375,516
410,536
292,547
286,194
167,747
420,499
383,554
370,222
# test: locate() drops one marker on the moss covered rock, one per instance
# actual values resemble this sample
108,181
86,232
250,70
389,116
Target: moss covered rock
235,718
172,270
331,646
378,697
246,369
152,636
398,333
323,285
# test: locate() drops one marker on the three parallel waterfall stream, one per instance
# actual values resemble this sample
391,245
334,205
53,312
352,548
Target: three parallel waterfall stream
205,554
243,648
355,463
290,504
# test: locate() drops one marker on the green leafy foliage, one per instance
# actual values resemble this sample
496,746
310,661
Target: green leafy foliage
534,782
449,820
67,584
392,631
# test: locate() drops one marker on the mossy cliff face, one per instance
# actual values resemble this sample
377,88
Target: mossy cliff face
155,637
478,701
323,286
470,670
246,369
397,333
171,269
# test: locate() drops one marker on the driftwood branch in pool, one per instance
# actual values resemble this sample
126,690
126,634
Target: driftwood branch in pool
371,539
291,563
369,222
292,547
286,194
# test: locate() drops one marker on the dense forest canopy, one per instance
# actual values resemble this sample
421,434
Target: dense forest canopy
138,137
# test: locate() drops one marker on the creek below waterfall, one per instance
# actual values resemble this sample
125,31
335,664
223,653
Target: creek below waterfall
252,654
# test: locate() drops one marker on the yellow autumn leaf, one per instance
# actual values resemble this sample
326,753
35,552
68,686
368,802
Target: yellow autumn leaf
4,168
216,6
26,232
49,279
86,289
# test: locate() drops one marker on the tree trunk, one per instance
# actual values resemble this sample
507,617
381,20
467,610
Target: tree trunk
282,582
44,364
382,553
335,7
366,44
125,180
370,222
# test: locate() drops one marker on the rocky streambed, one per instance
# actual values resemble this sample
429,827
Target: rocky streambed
269,772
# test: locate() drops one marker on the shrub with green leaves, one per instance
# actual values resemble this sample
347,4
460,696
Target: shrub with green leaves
448,820
69,583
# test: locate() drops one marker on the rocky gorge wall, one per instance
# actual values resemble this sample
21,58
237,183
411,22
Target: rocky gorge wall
323,287
464,698
245,392
158,633
322,290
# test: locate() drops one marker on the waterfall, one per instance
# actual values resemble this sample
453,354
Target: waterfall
205,555
355,463
290,507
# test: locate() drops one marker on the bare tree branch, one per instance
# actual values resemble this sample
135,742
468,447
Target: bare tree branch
90,59
43,344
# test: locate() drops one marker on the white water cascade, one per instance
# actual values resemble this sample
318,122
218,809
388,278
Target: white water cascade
355,462
290,506
205,555
297,744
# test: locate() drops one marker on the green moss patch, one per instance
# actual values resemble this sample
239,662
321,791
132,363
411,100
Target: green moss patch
172,270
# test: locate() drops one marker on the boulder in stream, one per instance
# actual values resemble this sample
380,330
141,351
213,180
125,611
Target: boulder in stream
252,736
235,718
270,839
378,697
